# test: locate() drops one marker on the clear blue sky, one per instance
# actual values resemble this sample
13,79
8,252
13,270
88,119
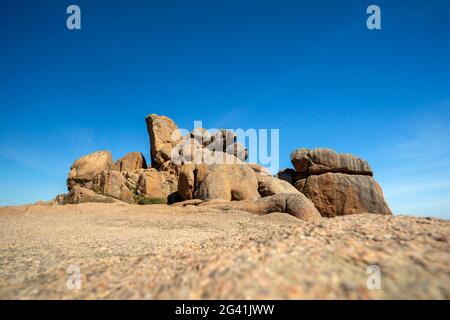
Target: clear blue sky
310,68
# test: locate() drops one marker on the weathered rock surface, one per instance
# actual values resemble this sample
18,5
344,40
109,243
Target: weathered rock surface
186,182
131,161
322,160
79,194
259,168
294,204
191,151
229,182
336,194
238,150
170,179
191,177
207,166
164,135
338,184
193,252
188,151
112,183
151,185
269,186
131,179
286,175
86,168
203,136
222,139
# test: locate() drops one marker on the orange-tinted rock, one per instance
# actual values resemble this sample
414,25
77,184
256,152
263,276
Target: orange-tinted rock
131,161
295,204
82,195
269,186
164,135
112,183
229,182
150,184
86,168
259,168
321,160
337,194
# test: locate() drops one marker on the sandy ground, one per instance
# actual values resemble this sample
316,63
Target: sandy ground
162,252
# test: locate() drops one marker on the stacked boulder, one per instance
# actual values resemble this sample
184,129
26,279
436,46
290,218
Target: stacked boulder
209,165
338,184
201,166
124,180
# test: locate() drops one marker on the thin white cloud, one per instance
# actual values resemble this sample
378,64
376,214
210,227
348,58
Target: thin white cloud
25,159
416,179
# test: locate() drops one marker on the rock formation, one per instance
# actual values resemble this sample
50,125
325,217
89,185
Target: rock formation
164,135
229,182
295,204
81,195
112,183
259,168
336,194
131,161
286,174
152,184
86,168
321,160
205,166
338,184
269,186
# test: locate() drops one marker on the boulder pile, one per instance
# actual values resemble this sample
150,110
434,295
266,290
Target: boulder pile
338,184
203,166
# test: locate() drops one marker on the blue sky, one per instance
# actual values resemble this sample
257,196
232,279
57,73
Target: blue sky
310,68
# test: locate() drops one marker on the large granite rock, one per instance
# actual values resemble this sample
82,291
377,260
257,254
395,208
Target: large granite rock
190,179
112,183
238,150
188,151
259,168
203,136
337,194
151,184
170,185
226,141
86,168
321,160
80,194
164,135
131,161
295,204
229,182
186,182
222,139
209,166
269,186
338,184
